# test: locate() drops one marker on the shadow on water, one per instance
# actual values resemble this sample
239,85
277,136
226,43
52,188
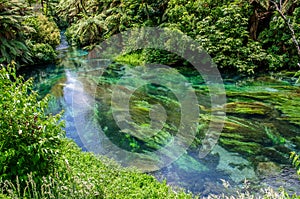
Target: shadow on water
262,125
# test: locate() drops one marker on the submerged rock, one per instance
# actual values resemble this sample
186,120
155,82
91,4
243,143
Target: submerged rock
242,136
264,169
189,164
234,165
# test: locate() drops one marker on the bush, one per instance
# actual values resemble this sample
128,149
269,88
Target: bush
45,31
29,139
42,39
85,175
222,30
42,53
102,176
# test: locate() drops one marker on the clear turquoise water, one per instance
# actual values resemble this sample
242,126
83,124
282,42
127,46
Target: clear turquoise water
262,125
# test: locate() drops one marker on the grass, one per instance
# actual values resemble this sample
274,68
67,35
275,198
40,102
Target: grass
85,175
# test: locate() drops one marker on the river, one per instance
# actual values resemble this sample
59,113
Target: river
262,122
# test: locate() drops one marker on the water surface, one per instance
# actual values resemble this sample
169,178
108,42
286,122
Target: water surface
262,122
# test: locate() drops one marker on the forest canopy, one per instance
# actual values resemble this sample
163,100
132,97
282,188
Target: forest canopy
245,36
242,36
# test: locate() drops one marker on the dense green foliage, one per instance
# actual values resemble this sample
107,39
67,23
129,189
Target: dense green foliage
45,31
241,36
42,53
225,29
84,175
277,40
110,180
36,161
30,139
43,39
12,39
93,21
24,37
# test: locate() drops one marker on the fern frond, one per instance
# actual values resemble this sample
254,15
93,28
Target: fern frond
295,158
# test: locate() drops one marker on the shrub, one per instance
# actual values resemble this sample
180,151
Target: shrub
41,52
29,139
42,39
45,31
85,175
107,178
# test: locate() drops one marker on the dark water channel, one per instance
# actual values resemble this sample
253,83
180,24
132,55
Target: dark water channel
262,123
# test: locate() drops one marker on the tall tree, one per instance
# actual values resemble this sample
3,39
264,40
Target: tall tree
260,18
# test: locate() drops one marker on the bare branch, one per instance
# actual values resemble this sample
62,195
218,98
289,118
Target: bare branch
279,10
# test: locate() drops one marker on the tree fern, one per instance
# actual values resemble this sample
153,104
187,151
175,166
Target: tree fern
94,20
88,30
12,41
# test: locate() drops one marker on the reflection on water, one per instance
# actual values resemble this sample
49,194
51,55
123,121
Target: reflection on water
262,125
